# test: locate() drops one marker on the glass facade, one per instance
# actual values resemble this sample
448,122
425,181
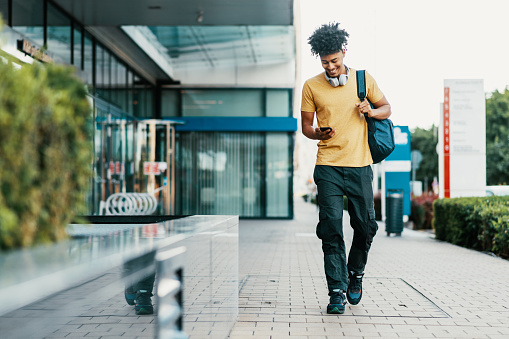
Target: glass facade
143,96
278,174
278,103
217,172
227,102
113,163
246,174
28,19
4,8
211,102
115,97
88,61
101,73
76,51
170,103
130,92
201,46
59,35
122,148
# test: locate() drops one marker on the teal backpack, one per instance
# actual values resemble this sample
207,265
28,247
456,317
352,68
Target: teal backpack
380,132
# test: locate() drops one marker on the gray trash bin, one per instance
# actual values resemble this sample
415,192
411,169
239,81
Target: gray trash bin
394,212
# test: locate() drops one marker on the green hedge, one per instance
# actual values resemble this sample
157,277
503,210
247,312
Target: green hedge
45,152
480,223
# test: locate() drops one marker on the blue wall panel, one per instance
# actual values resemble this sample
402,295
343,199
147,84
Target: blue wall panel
398,179
237,124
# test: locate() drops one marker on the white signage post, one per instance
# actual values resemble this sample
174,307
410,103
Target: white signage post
462,152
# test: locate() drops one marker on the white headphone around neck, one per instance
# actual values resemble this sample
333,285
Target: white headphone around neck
343,78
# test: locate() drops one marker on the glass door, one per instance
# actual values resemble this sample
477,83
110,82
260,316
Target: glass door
116,155
114,146
155,168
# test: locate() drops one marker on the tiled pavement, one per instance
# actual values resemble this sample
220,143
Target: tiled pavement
95,309
414,287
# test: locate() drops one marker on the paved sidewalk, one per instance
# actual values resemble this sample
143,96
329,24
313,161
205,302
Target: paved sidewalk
414,287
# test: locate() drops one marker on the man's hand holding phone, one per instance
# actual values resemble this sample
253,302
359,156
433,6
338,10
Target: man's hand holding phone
325,133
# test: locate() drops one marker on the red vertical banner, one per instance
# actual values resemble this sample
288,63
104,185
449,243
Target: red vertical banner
447,148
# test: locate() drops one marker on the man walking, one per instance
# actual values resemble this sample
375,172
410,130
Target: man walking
342,163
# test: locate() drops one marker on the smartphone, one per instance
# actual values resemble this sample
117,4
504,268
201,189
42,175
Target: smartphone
325,129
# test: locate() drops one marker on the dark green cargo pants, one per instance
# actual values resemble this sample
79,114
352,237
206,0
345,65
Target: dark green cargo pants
332,184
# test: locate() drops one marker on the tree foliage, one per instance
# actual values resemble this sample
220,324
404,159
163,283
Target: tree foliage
45,152
497,138
425,141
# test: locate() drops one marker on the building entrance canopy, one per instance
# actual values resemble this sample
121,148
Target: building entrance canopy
193,34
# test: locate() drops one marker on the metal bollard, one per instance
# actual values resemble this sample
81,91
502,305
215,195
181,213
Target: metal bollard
170,266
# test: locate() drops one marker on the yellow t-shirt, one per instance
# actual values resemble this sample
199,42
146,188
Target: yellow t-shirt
335,107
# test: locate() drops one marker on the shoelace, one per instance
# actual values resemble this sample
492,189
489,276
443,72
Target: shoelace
337,299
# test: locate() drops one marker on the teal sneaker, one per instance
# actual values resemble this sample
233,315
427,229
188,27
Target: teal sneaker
130,295
354,292
143,303
337,302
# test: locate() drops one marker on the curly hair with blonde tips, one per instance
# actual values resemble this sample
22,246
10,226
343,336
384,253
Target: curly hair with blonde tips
328,39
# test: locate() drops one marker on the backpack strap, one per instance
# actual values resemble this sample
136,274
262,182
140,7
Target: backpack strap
361,84
361,93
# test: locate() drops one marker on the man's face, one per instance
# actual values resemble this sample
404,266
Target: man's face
333,63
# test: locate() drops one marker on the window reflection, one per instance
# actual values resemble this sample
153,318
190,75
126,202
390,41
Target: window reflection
77,49
219,173
88,60
278,103
120,86
59,34
229,102
102,72
223,173
278,173
4,10
142,98
28,19
212,161
170,103
130,93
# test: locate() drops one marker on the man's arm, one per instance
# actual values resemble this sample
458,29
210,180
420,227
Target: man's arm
381,111
314,133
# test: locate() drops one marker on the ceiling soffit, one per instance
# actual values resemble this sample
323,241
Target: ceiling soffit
179,13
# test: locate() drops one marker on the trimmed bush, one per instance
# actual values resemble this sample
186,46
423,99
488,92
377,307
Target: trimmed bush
479,223
45,152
